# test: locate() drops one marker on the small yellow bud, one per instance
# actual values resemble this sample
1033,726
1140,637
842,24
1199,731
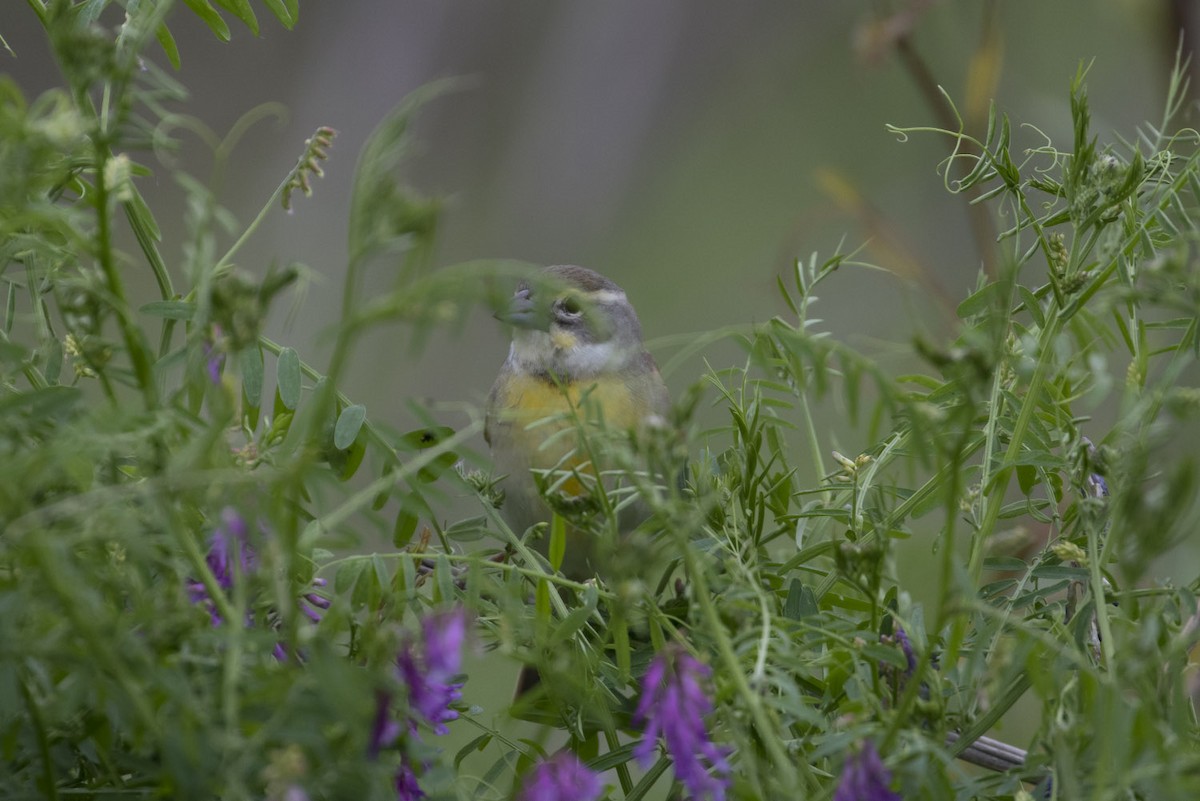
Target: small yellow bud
1069,552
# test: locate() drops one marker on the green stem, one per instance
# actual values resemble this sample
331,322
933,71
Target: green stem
130,333
43,741
39,8
995,496
769,735
1099,601
55,578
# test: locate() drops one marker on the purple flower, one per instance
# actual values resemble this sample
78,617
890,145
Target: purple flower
384,730
563,778
427,671
228,555
312,604
864,778
407,788
674,704
228,550
910,658
214,360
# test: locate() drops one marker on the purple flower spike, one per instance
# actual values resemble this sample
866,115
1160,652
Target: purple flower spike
228,554
384,730
563,778
313,604
673,704
213,362
228,547
864,778
407,788
427,674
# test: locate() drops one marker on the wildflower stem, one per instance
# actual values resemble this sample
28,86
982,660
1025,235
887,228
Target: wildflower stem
39,727
613,742
648,780
769,734
130,333
1100,603
200,568
995,497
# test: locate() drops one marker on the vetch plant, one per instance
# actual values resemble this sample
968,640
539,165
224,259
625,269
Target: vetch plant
673,704
195,604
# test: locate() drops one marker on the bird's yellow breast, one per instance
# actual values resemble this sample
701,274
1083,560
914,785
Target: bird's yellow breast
538,419
608,400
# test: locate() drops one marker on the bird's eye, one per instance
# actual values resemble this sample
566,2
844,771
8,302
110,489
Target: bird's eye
570,307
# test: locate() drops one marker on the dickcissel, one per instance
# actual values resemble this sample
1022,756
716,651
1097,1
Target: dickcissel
576,373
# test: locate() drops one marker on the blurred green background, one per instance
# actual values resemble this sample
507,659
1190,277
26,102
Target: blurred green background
689,150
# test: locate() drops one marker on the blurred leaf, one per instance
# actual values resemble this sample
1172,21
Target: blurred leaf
404,527
241,9
558,540
801,602
287,377
1026,477
168,45
349,423
381,211
347,575
170,309
576,619
423,439
381,498
468,530
211,18
41,404
979,302
250,365
353,458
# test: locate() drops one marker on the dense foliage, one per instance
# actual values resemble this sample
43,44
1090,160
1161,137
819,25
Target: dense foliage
186,609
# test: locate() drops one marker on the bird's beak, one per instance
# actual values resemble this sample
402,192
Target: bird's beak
522,312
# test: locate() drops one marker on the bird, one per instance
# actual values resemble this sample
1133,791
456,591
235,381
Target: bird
576,354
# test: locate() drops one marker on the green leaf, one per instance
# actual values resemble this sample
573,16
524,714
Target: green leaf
287,376
801,601
211,18
576,620
423,439
41,403
54,361
381,499
469,530
353,458
621,650
541,602
285,15
1032,305
978,302
558,541
250,364
1026,477
168,45
241,9
443,578
170,309
347,575
349,423
381,211
478,744
404,527
10,307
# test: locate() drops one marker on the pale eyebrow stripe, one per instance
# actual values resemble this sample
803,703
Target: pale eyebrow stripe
605,296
